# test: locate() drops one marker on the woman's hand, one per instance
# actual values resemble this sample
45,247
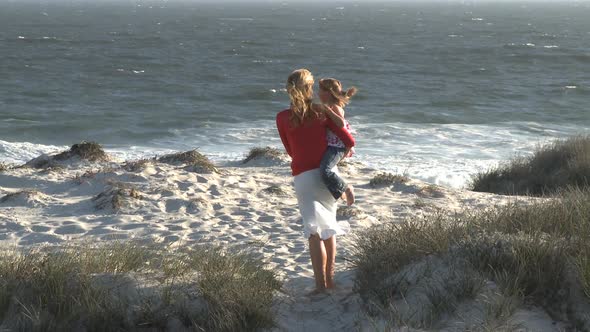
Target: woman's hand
335,115
348,153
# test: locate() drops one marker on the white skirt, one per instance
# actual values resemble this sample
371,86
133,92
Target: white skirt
317,206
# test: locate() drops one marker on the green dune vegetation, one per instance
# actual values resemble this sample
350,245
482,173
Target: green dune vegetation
128,286
551,168
530,251
533,252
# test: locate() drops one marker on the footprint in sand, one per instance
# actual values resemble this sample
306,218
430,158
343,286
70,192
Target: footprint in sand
70,229
40,229
214,190
11,226
174,228
37,238
266,219
184,186
127,227
171,239
175,205
99,230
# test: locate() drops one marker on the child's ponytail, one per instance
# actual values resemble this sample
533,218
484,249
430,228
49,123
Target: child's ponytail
334,87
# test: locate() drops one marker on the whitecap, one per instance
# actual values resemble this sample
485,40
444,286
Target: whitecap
273,90
551,46
21,37
138,71
571,86
477,19
21,152
529,44
247,19
361,47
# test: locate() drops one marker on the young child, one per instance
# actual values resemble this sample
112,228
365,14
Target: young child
334,100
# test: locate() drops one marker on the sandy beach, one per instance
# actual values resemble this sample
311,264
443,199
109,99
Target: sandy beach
246,205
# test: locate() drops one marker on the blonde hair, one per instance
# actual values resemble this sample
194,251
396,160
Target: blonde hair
300,90
334,87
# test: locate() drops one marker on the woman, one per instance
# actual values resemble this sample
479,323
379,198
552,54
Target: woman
303,130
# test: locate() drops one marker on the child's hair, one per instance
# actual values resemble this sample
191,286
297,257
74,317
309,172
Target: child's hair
300,90
339,97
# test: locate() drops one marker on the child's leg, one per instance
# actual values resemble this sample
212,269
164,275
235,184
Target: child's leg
333,182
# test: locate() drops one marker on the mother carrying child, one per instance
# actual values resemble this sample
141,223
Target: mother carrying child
303,129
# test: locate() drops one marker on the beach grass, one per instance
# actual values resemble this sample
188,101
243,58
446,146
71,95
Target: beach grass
534,251
552,167
387,179
275,190
348,212
264,153
86,151
115,196
4,167
137,165
124,286
193,159
90,151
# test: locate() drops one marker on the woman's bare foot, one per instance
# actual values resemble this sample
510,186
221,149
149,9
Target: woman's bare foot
316,292
349,193
330,284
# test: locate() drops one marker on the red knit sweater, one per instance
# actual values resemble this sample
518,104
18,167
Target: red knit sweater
307,143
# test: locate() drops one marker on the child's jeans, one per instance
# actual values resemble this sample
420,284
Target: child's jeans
331,158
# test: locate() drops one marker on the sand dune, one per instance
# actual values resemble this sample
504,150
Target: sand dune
251,205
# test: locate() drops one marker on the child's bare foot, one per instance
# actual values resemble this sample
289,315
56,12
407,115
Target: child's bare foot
349,195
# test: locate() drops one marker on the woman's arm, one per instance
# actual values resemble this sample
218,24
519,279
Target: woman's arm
336,114
282,132
342,133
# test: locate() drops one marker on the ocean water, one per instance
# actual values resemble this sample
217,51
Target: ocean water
446,89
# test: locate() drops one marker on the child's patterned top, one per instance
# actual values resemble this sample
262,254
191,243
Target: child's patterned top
334,141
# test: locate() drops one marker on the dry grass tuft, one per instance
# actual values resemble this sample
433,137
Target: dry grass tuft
431,191
348,212
129,287
4,167
196,161
275,190
137,165
268,153
548,170
116,196
387,179
537,251
90,151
